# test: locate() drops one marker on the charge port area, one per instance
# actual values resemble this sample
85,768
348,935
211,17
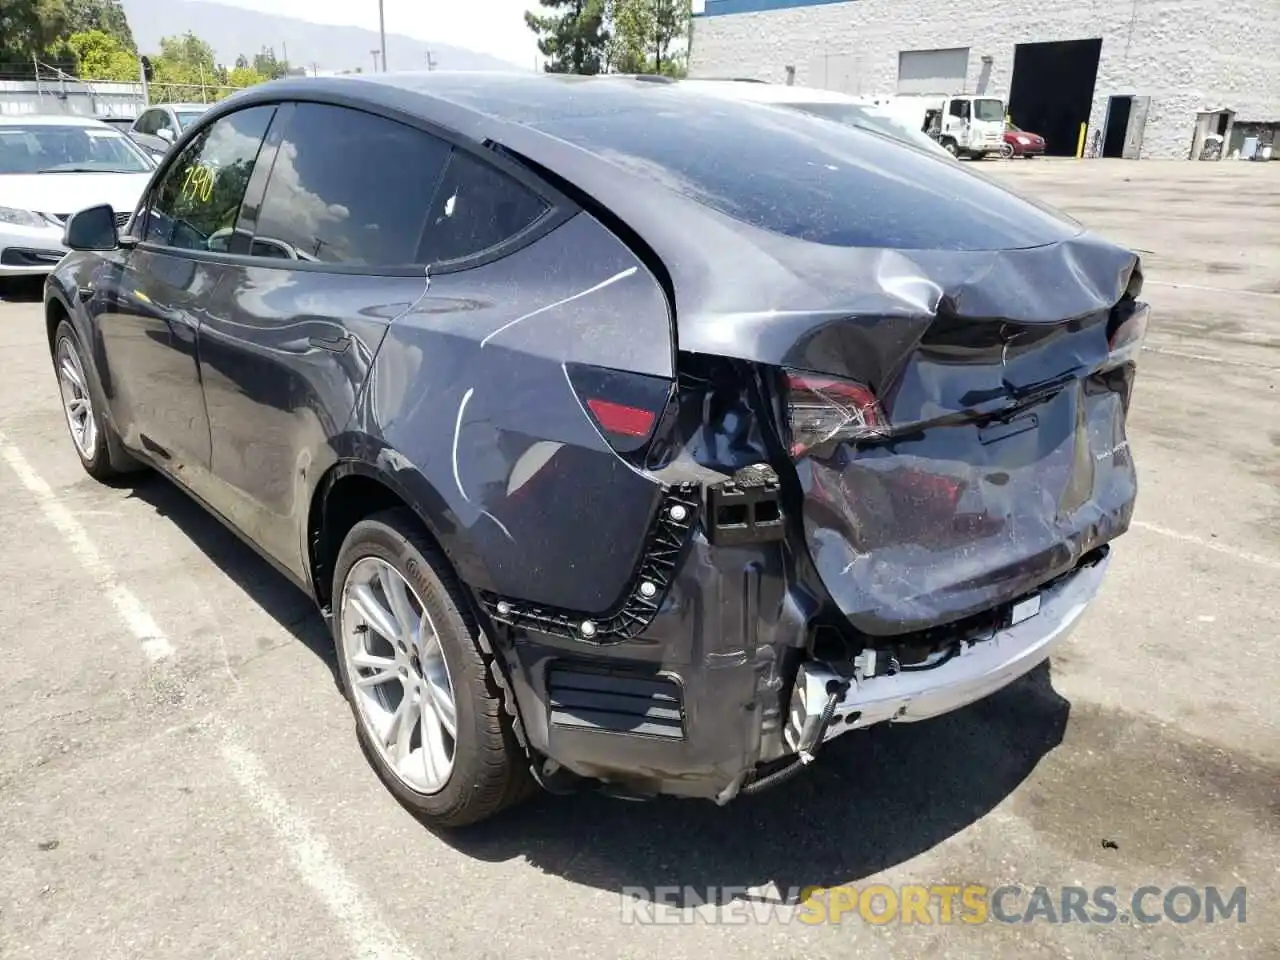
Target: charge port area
745,508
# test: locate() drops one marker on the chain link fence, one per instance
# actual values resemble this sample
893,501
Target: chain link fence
43,88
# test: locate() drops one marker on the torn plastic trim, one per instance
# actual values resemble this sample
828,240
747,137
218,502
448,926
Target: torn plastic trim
978,670
669,537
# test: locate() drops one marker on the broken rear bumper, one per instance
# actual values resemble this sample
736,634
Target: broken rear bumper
976,671
720,686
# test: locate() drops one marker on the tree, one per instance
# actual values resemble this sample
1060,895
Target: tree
631,24
242,62
574,41
100,56
266,64
29,29
671,20
184,70
244,76
108,16
649,36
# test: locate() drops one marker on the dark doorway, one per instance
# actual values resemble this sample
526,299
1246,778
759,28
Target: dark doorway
1052,90
1117,123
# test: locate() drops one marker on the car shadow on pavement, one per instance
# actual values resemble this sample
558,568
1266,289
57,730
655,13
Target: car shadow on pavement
871,800
266,586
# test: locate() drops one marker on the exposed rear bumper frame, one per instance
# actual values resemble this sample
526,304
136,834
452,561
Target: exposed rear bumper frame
977,670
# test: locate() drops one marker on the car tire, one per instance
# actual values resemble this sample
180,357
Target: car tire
93,438
489,772
951,147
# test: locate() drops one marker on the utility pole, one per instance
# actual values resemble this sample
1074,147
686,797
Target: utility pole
375,60
382,29
284,55
315,69
431,63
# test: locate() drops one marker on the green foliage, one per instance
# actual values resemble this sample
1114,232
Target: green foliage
268,66
32,28
649,36
100,56
244,76
574,40
107,16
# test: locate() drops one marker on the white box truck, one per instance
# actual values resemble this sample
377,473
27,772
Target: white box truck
967,125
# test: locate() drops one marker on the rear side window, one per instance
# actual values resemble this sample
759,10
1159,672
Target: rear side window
349,188
196,204
476,208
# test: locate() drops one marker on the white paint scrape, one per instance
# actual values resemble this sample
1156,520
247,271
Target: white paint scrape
155,645
370,938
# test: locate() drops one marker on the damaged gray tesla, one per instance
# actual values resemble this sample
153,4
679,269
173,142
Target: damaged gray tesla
626,437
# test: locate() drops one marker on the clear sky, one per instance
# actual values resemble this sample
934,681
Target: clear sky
487,26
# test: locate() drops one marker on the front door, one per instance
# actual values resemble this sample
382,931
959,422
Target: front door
335,240
169,282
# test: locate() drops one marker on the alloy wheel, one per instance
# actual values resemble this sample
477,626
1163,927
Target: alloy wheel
398,676
76,401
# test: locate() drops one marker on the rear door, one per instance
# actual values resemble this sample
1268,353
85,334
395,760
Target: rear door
163,288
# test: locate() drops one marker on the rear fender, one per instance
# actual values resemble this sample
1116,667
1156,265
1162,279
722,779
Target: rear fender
472,391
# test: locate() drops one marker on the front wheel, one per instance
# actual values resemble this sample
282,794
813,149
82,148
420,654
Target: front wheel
429,715
951,148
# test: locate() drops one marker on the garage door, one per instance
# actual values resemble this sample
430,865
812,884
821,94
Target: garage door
933,71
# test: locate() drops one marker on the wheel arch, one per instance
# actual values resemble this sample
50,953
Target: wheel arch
353,489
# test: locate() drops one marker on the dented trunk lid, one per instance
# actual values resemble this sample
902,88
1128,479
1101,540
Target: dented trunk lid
1004,458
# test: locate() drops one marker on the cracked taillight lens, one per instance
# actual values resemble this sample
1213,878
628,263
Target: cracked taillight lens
822,410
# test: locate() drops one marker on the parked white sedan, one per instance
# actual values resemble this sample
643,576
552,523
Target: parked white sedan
52,166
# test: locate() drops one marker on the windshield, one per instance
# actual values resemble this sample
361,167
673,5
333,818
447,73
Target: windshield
188,117
989,110
43,148
855,116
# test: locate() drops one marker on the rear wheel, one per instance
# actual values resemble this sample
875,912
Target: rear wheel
83,407
1006,151
428,713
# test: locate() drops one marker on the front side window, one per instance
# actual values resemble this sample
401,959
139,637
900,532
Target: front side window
197,202
349,188
53,148
187,117
960,108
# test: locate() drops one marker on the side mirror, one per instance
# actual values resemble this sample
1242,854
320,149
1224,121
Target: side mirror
92,229
165,134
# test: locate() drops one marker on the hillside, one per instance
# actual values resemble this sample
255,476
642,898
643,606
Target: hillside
235,30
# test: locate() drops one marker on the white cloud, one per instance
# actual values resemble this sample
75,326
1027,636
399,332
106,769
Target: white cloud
495,27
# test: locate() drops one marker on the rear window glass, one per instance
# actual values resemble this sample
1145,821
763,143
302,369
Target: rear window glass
806,178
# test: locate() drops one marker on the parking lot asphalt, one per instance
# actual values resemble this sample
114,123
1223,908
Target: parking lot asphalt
179,776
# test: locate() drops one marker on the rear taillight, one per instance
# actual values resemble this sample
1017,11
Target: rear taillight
823,410
1126,335
625,407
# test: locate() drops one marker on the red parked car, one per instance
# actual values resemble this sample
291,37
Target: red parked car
1020,143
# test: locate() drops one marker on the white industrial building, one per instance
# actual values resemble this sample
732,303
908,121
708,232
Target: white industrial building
1150,77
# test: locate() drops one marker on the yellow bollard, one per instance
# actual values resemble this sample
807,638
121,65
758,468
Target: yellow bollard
1080,144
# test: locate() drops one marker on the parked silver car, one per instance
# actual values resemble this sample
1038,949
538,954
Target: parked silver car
159,127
